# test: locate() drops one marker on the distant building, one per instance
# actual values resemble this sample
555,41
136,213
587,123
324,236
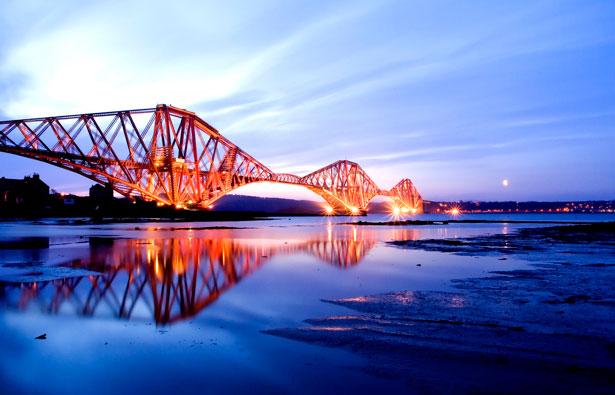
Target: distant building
69,200
29,192
101,193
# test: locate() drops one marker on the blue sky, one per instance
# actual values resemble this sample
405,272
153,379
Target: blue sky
455,95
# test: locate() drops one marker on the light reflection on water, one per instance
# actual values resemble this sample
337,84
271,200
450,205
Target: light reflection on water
167,272
171,279
96,290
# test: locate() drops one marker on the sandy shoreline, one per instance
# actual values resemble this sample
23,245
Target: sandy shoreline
551,328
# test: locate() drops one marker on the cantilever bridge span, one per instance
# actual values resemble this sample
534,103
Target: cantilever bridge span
172,156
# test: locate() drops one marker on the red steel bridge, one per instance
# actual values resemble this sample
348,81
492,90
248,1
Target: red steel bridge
170,155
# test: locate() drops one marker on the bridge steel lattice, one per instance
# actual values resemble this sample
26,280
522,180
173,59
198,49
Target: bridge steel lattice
171,156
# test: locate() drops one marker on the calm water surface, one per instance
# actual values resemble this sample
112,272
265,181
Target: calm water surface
176,307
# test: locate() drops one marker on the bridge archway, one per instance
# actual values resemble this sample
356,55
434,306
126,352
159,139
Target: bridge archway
277,190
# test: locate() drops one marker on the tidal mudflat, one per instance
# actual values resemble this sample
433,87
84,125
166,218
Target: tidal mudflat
545,328
187,307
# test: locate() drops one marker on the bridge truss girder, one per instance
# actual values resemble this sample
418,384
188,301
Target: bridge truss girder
171,156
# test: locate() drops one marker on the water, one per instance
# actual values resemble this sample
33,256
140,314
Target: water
179,307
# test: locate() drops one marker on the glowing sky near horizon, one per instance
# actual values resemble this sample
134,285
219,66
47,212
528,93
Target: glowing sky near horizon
454,95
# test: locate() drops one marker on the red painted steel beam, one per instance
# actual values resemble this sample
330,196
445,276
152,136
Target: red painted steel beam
170,155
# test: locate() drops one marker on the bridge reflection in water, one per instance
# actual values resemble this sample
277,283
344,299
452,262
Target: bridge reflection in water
172,279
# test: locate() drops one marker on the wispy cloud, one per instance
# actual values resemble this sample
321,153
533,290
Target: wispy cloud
553,119
480,149
398,86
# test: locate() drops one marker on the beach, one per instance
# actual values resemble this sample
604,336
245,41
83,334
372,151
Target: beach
289,304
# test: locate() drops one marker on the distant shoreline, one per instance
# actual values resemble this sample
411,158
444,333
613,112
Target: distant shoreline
465,221
222,216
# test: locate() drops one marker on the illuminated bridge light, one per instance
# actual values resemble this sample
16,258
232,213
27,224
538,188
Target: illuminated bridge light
455,211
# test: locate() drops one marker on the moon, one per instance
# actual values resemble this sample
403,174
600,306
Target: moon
505,182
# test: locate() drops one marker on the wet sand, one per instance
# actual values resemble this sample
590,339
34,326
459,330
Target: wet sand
551,328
